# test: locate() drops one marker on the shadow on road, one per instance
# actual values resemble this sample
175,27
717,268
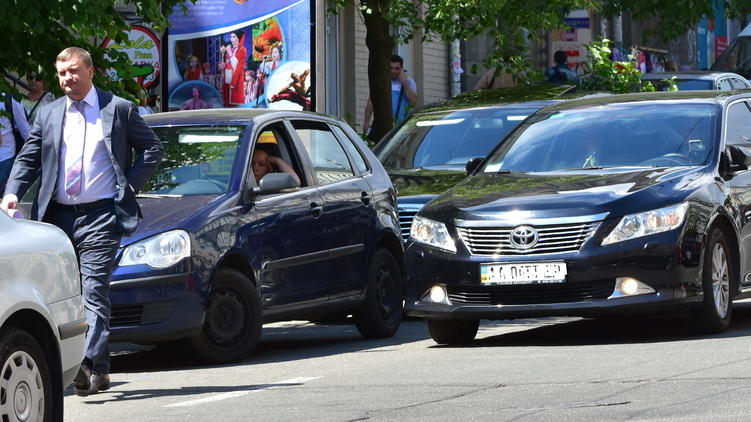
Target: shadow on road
613,330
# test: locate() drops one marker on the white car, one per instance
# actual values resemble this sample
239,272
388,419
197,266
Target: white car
42,319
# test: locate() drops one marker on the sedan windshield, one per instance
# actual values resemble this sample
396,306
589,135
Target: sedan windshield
617,135
198,160
449,138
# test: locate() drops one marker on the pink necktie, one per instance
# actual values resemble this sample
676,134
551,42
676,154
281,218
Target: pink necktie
74,155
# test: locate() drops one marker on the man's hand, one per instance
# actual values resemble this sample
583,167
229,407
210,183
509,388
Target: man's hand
10,202
403,78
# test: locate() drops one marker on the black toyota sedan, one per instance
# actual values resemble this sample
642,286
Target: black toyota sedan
224,247
612,205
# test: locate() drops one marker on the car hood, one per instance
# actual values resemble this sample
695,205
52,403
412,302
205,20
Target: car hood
562,194
167,212
426,180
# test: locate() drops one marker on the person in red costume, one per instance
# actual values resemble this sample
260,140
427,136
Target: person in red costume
234,70
193,72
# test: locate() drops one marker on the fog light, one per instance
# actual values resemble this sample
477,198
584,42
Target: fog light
437,294
628,286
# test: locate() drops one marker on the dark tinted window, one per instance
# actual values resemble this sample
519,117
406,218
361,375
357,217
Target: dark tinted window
613,136
738,121
449,137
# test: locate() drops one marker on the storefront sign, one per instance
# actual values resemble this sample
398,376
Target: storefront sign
143,48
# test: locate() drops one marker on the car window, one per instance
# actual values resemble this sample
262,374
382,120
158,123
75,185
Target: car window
357,157
738,83
619,135
449,138
738,124
724,84
198,160
274,141
329,159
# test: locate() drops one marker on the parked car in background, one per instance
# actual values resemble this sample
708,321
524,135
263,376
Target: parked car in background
623,204
737,56
697,80
428,152
217,253
42,320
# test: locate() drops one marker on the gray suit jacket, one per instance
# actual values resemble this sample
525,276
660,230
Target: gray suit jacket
124,131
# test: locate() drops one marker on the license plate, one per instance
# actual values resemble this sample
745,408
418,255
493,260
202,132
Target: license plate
523,273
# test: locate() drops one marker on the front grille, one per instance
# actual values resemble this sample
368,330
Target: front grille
405,221
531,294
554,238
141,314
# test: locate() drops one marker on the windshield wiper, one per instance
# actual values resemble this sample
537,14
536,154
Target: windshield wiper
503,172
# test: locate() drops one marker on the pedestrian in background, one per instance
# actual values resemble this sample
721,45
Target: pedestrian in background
561,74
81,146
38,96
8,142
403,93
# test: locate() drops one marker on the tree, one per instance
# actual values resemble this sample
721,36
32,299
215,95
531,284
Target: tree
509,23
38,30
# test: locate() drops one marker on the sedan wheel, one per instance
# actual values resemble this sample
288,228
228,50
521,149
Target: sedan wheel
25,383
452,332
717,280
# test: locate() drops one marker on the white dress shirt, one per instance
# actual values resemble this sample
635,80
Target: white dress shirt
99,178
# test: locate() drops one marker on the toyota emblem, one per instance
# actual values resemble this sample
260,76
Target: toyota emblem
523,237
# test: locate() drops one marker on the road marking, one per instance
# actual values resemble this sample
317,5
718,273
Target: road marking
234,394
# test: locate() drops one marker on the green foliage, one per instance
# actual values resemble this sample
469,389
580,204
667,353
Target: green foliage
38,30
364,136
602,74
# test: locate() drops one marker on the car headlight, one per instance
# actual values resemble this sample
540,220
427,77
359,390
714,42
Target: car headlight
646,223
431,233
158,251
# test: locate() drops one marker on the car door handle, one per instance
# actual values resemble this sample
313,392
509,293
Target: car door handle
365,198
316,210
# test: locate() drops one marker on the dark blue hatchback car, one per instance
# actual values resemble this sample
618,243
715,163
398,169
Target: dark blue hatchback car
219,253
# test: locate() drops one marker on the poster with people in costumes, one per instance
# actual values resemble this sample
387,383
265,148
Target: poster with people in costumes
241,53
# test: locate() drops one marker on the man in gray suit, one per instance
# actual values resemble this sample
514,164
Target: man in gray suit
81,146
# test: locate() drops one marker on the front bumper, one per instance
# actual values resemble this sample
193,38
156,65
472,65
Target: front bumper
589,289
156,308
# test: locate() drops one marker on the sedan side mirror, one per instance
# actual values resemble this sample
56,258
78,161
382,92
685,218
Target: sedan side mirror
737,158
473,164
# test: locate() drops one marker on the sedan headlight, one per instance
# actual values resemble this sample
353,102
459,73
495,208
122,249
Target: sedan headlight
431,233
646,223
158,251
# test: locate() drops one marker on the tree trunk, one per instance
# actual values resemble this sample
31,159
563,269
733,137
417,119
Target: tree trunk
380,46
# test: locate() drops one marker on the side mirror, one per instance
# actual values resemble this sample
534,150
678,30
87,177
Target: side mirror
472,165
737,158
274,183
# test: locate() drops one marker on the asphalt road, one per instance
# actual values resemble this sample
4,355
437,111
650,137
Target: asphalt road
562,369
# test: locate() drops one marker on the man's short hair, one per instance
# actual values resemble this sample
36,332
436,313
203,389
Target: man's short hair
560,57
397,58
71,52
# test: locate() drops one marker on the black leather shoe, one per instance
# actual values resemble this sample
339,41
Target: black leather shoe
99,382
82,381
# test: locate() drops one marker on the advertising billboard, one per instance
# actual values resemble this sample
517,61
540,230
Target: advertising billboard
240,53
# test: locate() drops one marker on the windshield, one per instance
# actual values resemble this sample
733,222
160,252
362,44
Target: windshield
198,160
736,58
685,85
618,135
449,138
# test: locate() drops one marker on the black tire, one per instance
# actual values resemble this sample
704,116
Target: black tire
233,321
381,313
452,332
718,279
25,382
